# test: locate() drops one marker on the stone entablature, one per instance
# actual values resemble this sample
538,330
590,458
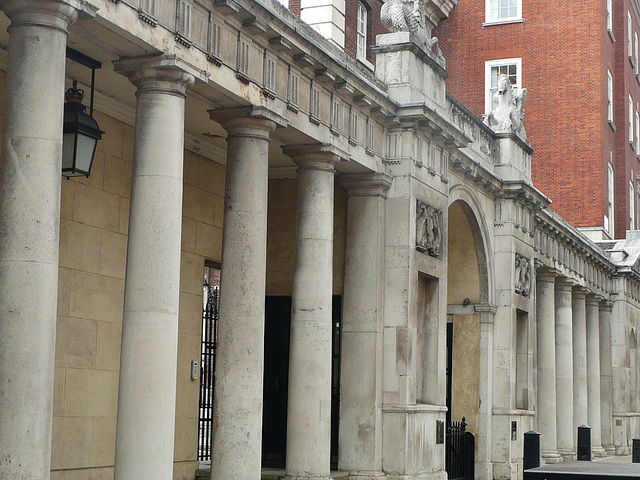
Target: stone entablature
561,246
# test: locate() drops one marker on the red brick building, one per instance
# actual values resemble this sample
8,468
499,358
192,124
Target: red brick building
580,64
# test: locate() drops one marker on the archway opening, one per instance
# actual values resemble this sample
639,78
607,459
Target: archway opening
466,288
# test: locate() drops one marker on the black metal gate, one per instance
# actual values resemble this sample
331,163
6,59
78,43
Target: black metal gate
459,451
207,370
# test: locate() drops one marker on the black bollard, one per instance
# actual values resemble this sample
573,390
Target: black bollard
531,450
635,458
584,443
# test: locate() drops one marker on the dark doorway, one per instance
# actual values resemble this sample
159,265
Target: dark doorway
276,380
449,368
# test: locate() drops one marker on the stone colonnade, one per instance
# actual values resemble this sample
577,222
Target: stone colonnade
29,229
574,366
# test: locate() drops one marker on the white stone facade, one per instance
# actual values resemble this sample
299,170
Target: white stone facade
334,179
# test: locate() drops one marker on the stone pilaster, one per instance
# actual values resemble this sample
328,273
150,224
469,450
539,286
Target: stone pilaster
148,358
593,374
362,327
30,173
485,415
606,378
546,378
237,423
309,405
564,367
579,342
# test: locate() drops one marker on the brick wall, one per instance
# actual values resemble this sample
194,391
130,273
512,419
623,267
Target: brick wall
374,26
562,66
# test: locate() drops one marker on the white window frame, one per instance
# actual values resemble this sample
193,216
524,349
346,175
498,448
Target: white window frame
361,31
630,135
488,102
637,130
610,194
635,51
609,96
490,20
629,35
632,205
609,16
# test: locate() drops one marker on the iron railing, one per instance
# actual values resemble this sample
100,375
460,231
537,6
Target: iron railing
207,370
459,451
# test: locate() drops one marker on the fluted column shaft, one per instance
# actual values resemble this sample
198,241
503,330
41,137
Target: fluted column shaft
30,174
564,368
606,377
579,340
546,388
593,373
309,406
148,358
238,403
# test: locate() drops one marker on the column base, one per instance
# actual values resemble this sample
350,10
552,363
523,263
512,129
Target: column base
305,477
623,451
598,452
367,475
419,476
568,455
551,457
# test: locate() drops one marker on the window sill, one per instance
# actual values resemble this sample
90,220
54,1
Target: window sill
365,62
503,21
612,125
632,145
613,37
632,62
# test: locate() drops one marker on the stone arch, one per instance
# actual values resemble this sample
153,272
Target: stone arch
464,197
470,292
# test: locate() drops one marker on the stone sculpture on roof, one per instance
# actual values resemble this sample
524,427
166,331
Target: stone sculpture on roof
507,110
409,16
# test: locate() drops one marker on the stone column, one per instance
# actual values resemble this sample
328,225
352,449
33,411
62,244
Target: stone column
579,342
148,358
362,325
309,406
237,423
606,378
30,174
564,368
593,373
546,386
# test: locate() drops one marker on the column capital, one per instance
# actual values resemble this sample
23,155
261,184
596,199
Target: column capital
366,184
315,156
580,291
546,274
166,74
606,305
593,299
565,284
58,14
249,121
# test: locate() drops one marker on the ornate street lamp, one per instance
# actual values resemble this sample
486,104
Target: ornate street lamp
80,135
80,131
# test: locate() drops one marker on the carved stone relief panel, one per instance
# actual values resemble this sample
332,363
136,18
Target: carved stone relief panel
428,229
523,275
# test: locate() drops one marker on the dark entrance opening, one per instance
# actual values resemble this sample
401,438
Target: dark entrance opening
276,380
449,368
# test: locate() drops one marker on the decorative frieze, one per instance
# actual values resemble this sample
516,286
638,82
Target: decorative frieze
428,229
523,275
